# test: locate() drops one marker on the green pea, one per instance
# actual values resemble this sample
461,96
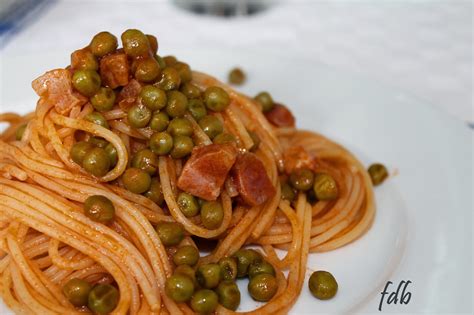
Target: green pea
135,43
224,138
153,43
161,143
154,193
103,100
177,104
84,59
159,121
184,71
325,187
244,258
212,214
208,275
139,115
179,287
103,43
188,204
302,179
263,287
211,125
197,108
160,61
228,268
76,291
170,60
96,162
287,192
20,131
145,160
153,97
236,76
216,98
169,79
103,299
180,127
186,255
79,151
266,100
99,208
182,146
147,70
378,173
229,295
170,233
186,270
204,301
256,141
322,285
190,90
112,153
136,180
98,142
87,82
260,267
98,119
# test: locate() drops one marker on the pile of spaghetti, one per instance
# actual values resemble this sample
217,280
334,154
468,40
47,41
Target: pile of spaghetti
249,160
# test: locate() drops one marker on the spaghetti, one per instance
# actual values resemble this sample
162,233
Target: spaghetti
46,238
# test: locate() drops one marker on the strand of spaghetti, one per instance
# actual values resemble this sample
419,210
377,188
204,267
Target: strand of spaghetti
135,198
237,215
268,214
199,136
239,127
10,117
235,238
122,157
42,108
125,140
7,296
295,240
58,146
13,171
145,132
55,274
304,254
37,145
66,132
179,216
83,273
126,129
116,113
38,157
66,263
19,157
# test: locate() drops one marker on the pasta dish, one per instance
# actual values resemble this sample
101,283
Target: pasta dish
139,186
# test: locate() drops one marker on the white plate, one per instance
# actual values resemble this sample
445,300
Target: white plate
422,230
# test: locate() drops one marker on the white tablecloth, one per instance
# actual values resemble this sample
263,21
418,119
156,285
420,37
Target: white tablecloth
423,48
